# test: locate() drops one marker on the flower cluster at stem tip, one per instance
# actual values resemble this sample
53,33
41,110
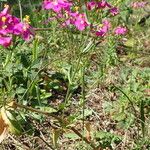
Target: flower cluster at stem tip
67,11
12,26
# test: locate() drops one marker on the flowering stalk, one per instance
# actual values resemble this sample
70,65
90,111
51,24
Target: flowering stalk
68,15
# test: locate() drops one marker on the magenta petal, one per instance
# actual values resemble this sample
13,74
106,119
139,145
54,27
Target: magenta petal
5,10
48,6
17,30
3,32
91,5
5,41
103,4
114,11
120,30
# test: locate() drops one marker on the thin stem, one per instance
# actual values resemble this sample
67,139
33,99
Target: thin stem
20,8
15,105
34,50
83,95
142,117
42,29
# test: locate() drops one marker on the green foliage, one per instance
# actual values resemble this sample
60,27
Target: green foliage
54,73
106,139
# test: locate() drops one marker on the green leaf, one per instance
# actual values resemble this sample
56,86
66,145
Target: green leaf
130,42
46,95
71,136
107,135
48,109
119,116
20,90
87,112
88,47
56,134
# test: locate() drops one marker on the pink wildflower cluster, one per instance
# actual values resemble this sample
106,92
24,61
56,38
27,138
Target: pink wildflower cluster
104,28
120,30
77,19
102,5
63,10
11,25
57,5
138,4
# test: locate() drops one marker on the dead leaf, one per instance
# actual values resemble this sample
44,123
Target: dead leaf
9,120
88,131
3,129
56,134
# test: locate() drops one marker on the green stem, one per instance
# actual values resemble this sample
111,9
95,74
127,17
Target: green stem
20,8
34,50
83,95
142,117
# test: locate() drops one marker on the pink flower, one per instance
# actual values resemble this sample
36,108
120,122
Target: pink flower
94,4
103,4
24,30
57,5
5,41
11,25
80,22
5,11
114,11
91,5
104,28
120,30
